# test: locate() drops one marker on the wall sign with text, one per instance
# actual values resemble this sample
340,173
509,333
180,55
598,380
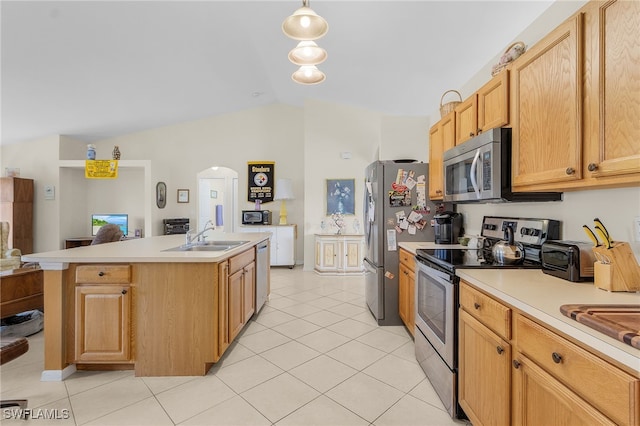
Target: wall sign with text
260,182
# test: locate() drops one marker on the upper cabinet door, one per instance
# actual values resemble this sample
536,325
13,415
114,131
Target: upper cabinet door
493,102
613,107
547,119
466,119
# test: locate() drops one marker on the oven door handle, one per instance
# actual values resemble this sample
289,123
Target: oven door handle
441,276
473,173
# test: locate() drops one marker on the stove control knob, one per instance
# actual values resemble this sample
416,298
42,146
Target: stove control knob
535,232
490,227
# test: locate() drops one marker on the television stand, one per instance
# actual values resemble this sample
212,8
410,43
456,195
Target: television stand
77,242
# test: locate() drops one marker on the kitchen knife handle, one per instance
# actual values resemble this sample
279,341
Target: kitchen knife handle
591,235
603,234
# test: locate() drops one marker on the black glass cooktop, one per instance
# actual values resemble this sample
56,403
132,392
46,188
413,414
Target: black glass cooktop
450,259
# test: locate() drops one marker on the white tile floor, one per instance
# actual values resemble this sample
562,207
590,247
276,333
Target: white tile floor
313,356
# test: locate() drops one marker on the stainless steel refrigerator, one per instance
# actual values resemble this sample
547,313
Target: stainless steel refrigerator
396,209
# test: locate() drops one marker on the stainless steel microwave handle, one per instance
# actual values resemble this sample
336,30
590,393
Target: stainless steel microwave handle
473,173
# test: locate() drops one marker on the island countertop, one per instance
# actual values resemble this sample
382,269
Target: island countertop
148,250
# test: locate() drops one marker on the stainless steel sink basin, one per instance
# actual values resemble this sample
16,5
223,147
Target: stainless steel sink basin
208,246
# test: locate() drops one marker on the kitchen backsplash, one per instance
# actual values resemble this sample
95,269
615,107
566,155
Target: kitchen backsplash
617,208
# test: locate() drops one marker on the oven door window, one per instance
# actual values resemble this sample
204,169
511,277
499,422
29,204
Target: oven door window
432,304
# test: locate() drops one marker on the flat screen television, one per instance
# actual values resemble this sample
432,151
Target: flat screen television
99,220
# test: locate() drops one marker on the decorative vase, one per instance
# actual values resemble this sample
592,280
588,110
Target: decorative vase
116,152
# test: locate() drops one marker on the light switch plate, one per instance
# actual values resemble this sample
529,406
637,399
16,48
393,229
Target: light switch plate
49,192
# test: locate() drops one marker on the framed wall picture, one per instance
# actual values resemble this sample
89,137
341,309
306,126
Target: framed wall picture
340,196
183,195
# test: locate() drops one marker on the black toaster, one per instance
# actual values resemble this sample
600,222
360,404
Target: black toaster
569,260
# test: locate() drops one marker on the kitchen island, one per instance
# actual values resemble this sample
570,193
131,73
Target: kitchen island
146,305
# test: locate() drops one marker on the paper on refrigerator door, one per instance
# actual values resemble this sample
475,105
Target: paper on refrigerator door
391,240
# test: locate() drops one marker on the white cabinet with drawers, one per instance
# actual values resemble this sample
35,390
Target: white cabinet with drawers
339,254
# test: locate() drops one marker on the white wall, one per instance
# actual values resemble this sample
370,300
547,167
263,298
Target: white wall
38,160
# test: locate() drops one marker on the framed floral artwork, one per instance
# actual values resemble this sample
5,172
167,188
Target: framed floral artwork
340,196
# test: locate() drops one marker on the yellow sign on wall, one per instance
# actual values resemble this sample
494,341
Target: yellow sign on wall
101,169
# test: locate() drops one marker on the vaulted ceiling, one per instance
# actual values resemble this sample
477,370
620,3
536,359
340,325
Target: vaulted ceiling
95,69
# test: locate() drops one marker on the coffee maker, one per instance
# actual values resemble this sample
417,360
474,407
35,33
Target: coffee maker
448,227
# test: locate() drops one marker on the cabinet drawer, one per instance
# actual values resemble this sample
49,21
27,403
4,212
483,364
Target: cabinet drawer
241,260
607,388
408,259
103,274
488,311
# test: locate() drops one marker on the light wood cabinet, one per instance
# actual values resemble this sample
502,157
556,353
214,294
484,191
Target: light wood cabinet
485,109
539,399
237,296
575,111
441,137
16,207
103,313
547,119
603,386
339,254
484,358
547,380
611,107
407,289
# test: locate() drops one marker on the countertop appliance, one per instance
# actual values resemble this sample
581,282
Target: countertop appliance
175,226
479,170
256,217
396,209
448,227
437,299
569,260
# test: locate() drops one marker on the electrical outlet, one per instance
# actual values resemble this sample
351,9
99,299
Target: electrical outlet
636,229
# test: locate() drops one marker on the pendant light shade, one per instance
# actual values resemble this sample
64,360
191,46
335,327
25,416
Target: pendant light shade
305,24
308,74
307,52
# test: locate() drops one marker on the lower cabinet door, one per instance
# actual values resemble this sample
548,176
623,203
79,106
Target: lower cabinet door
540,399
485,370
236,303
103,323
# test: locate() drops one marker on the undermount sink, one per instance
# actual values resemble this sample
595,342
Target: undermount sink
208,246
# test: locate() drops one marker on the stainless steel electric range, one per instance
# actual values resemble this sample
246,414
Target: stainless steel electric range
436,336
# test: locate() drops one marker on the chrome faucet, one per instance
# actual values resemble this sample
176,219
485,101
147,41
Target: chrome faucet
200,235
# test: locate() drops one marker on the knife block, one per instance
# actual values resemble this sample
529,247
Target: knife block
623,271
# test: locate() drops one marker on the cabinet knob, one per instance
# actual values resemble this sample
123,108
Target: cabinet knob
476,305
516,364
478,131
570,170
592,167
499,349
124,291
101,274
557,358
471,134
438,191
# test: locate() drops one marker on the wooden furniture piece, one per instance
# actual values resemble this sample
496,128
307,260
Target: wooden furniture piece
442,136
407,289
16,207
77,242
574,118
516,370
485,109
10,349
339,254
21,290
103,295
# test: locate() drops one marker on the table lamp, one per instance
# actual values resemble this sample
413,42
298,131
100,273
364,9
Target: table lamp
284,192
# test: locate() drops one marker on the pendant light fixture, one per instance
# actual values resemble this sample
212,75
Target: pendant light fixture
305,24
308,74
307,52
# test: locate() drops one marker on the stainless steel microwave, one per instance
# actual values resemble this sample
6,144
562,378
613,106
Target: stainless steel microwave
479,170
256,217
